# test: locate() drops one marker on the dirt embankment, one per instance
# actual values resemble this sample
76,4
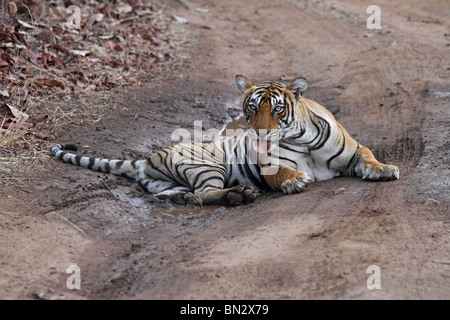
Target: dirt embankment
388,87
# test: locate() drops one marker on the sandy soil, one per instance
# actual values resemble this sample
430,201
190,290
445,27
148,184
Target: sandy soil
388,87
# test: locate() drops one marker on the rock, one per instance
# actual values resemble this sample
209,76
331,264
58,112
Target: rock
430,202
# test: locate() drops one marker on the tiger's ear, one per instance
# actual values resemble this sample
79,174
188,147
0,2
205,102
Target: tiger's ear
297,87
243,83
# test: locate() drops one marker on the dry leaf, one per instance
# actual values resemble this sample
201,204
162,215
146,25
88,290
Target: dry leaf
18,115
26,24
180,19
202,10
52,83
82,53
206,26
123,8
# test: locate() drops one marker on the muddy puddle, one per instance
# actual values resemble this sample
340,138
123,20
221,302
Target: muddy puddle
170,212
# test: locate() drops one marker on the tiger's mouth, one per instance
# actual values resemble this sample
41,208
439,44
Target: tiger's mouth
262,145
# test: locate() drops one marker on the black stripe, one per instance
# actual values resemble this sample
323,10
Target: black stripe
144,185
230,183
230,171
202,186
184,172
170,159
157,170
235,151
133,164
72,159
197,177
283,146
170,187
241,169
351,161
246,147
119,164
70,146
224,149
180,174
107,168
219,169
322,140
169,171
198,153
286,159
91,163
78,160
318,133
259,181
338,153
300,134
191,151
61,155
290,107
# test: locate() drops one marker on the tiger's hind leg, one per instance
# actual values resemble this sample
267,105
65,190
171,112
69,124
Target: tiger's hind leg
241,194
368,168
234,196
208,186
210,194
167,190
180,197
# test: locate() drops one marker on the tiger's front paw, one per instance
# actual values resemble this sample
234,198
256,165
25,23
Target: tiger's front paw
296,184
381,172
241,194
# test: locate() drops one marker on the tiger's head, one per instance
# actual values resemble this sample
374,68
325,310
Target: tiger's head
270,109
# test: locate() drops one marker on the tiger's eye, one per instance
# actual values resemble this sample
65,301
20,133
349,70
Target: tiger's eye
278,109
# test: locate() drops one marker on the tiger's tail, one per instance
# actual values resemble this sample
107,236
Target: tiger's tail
124,168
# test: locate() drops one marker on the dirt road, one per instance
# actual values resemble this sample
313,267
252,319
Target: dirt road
389,88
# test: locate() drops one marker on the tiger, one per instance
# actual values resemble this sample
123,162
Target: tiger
290,142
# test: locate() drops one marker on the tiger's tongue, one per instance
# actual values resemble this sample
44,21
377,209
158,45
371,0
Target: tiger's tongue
261,146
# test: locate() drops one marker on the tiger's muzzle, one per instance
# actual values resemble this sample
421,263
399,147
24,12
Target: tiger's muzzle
263,140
